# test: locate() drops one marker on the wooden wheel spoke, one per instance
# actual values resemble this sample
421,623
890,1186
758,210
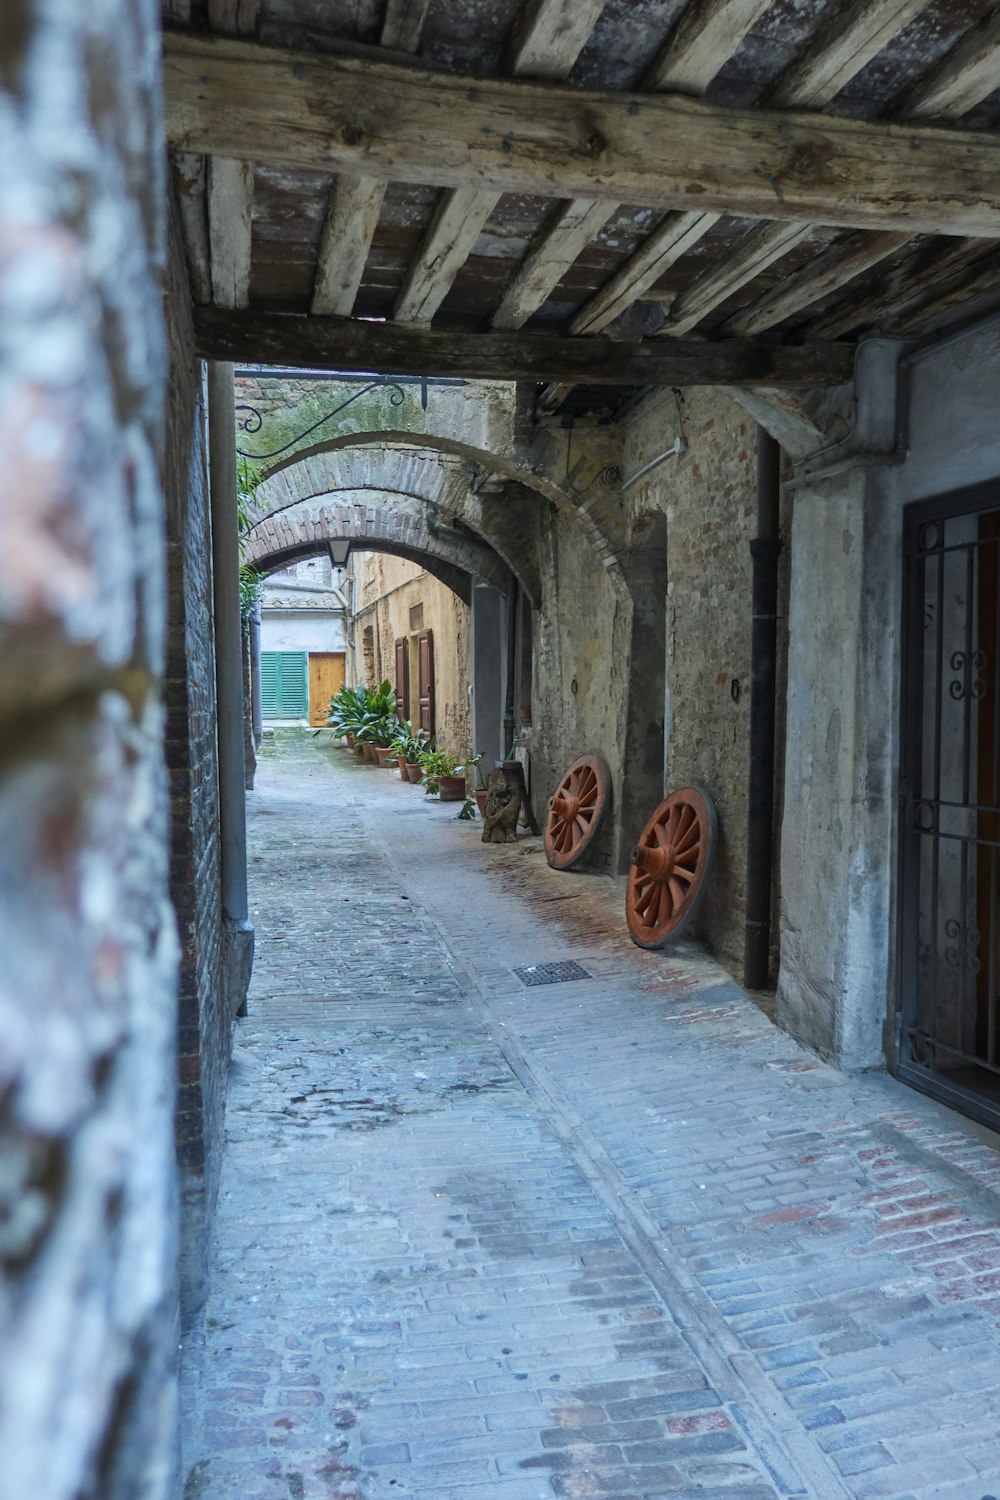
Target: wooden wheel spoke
585,787
659,907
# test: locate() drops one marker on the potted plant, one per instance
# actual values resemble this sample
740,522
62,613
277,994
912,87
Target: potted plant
441,776
408,746
474,762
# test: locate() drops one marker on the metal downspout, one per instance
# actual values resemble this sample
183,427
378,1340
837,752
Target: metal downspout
764,550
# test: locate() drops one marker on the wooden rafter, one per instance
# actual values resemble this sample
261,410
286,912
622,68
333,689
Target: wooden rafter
708,33
190,175
705,37
909,285
839,52
969,73
845,45
841,264
982,278
403,24
233,17
239,98
355,344
230,210
355,203
549,35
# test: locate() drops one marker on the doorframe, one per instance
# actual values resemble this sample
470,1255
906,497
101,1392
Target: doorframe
968,501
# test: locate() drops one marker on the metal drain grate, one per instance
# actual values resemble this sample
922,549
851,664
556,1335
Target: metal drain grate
551,973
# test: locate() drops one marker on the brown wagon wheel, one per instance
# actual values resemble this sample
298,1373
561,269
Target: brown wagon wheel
670,865
576,811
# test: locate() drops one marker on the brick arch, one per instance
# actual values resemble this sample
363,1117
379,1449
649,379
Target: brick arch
510,466
422,478
386,522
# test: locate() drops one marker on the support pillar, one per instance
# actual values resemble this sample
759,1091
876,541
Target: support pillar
488,637
238,929
256,705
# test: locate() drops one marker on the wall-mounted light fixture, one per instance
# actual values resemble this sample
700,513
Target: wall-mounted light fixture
340,550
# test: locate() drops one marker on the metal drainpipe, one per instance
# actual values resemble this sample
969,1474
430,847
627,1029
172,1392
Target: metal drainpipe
764,549
508,715
256,705
228,643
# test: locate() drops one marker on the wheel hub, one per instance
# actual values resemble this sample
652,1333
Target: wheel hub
658,862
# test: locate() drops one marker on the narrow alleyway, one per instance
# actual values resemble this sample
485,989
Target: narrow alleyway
608,1239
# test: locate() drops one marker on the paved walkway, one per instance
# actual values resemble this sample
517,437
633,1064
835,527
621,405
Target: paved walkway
611,1239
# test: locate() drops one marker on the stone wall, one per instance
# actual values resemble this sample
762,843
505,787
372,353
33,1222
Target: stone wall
88,1322
708,496
204,1024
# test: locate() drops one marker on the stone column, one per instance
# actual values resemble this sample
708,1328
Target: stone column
256,707
229,682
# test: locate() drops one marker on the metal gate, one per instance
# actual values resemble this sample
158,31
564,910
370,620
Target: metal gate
949,956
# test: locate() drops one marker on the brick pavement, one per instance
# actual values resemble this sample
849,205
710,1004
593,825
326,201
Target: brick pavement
606,1240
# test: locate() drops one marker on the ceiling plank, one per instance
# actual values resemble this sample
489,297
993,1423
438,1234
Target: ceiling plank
668,242
355,344
350,224
403,24
355,203
560,244
230,211
754,253
455,225
845,45
906,285
969,73
549,35
982,278
239,98
841,50
707,34
233,17
836,268
190,178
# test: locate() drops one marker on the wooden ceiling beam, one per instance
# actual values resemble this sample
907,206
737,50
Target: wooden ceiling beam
840,265
705,37
230,214
355,203
668,242
843,46
233,17
963,78
907,285
403,24
190,178
241,99
984,277
355,344
549,35
707,34
840,51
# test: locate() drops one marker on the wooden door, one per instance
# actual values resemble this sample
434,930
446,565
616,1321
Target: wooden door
402,677
326,678
425,674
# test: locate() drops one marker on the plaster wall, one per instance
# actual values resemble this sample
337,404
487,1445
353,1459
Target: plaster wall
302,630
397,598
88,1201
839,847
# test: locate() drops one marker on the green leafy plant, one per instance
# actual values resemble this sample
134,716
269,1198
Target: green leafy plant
435,764
473,762
409,742
468,811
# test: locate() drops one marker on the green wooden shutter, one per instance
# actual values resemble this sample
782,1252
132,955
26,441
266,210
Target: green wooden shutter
284,684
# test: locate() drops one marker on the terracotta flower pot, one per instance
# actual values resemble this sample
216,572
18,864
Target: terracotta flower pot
480,795
382,754
413,773
401,763
370,757
351,741
452,788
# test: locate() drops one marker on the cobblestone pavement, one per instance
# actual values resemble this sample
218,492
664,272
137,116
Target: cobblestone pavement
611,1239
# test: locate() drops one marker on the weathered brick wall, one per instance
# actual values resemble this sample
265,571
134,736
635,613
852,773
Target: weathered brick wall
204,1025
708,496
88,1320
